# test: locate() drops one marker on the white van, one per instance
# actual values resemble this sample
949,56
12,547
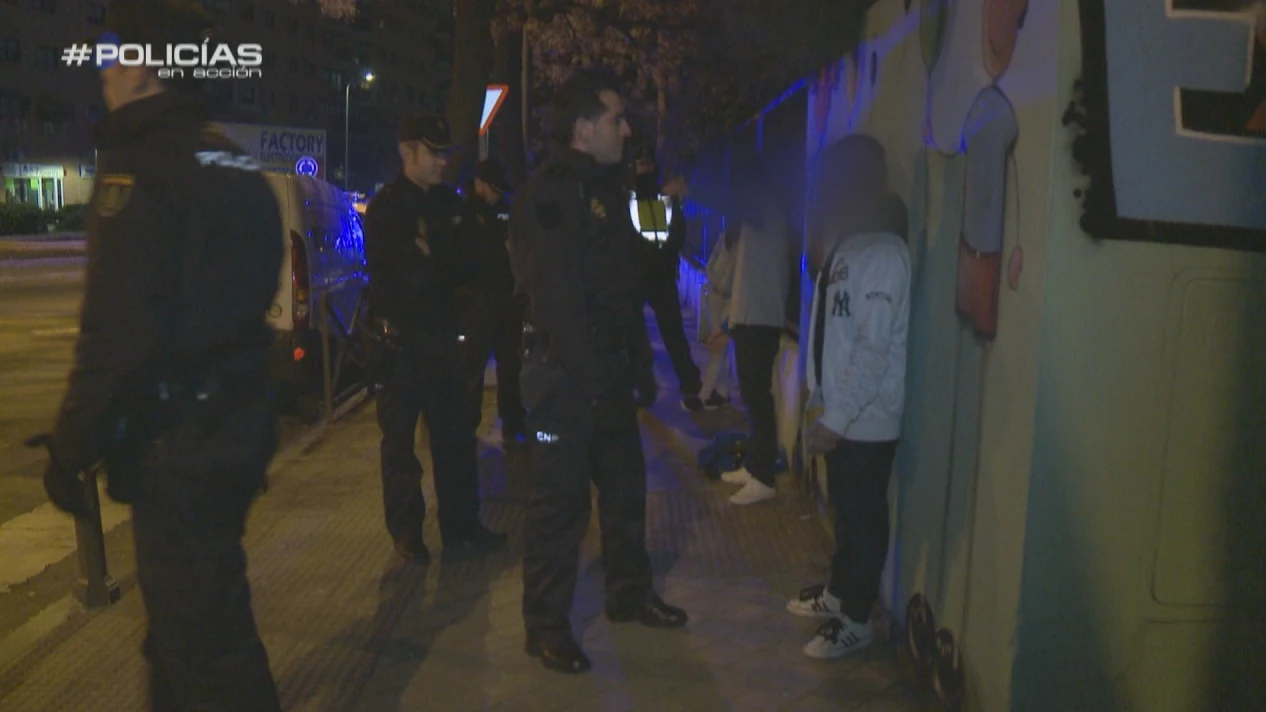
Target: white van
324,258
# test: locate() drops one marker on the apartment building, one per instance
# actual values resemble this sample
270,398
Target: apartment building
47,109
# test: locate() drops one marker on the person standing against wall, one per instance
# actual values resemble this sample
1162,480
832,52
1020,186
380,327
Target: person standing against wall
856,372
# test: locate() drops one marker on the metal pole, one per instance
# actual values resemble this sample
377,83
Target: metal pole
96,589
347,136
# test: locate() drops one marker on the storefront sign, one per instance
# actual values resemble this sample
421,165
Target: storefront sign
31,170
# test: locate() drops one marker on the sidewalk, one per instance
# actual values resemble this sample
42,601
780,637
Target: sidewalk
349,626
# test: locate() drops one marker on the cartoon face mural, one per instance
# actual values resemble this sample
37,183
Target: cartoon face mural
989,136
1189,171
1003,20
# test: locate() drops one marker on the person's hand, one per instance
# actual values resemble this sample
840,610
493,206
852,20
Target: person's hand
717,342
65,489
820,439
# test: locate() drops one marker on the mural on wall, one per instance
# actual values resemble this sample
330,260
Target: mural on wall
1172,137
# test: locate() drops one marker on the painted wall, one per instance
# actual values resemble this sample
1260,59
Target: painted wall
1145,501
971,401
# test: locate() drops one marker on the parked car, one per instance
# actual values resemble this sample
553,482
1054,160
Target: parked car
324,259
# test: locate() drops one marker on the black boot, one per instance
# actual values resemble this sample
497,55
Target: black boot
559,653
653,613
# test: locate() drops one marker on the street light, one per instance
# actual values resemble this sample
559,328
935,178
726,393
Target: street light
347,113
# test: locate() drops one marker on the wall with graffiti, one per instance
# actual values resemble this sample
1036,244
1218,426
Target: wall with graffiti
1086,192
962,95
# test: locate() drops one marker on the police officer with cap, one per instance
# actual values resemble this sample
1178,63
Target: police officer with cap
492,317
587,354
169,384
416,257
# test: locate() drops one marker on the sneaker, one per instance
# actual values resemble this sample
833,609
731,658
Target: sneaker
754,491
414,549
716,400
692,404
815,602
839,637
738,477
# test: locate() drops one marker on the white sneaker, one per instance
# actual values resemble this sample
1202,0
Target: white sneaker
737,477
839,637
754,491
815,602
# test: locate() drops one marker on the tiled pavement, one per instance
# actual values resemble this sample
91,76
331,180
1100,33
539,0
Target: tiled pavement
349,626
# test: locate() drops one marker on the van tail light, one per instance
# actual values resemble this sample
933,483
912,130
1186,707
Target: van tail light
299,279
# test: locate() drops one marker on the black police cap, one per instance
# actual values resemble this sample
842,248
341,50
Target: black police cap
491,172
430,129
158,22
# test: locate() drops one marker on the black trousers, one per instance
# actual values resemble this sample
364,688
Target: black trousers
194,487
572,448
661,294
857,483
428,383
755,352
493,324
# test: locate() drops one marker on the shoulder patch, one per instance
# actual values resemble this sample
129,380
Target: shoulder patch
112,194
549,214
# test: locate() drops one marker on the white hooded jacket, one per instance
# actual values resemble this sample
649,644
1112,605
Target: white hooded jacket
857,337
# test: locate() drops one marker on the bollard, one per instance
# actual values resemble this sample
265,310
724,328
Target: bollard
96,588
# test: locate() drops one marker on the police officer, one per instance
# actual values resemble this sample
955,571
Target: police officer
661,224
492,318
169,384
586,354
416,258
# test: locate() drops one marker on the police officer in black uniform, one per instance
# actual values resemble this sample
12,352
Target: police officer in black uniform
492,318
658,256
416,258
586,355
169,384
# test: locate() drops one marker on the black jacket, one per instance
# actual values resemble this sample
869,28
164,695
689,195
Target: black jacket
184,254
412,291
489,230
571,248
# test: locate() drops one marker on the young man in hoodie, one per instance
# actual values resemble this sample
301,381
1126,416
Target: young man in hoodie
856,371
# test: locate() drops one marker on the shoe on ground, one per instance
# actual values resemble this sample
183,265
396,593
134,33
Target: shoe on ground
654,613
716,400
738,477
480,542
839,637
815,602
754,491
692,404
414,549
560,654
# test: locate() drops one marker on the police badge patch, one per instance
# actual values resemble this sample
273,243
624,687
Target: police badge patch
598,210
112,194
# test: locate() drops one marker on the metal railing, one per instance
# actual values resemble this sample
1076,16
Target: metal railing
350,350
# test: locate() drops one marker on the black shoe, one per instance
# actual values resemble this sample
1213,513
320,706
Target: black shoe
654,613
480,542
692,404
560,654
414,549
716,400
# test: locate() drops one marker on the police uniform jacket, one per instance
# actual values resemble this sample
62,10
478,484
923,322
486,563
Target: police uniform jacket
412,291
184,253
488,234
571,249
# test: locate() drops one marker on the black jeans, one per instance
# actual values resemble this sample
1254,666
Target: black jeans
573,448
428,383
493,323
195,485
661,293
857,483
755,352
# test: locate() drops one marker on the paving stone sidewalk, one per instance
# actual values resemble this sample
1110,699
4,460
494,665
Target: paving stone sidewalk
349,626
